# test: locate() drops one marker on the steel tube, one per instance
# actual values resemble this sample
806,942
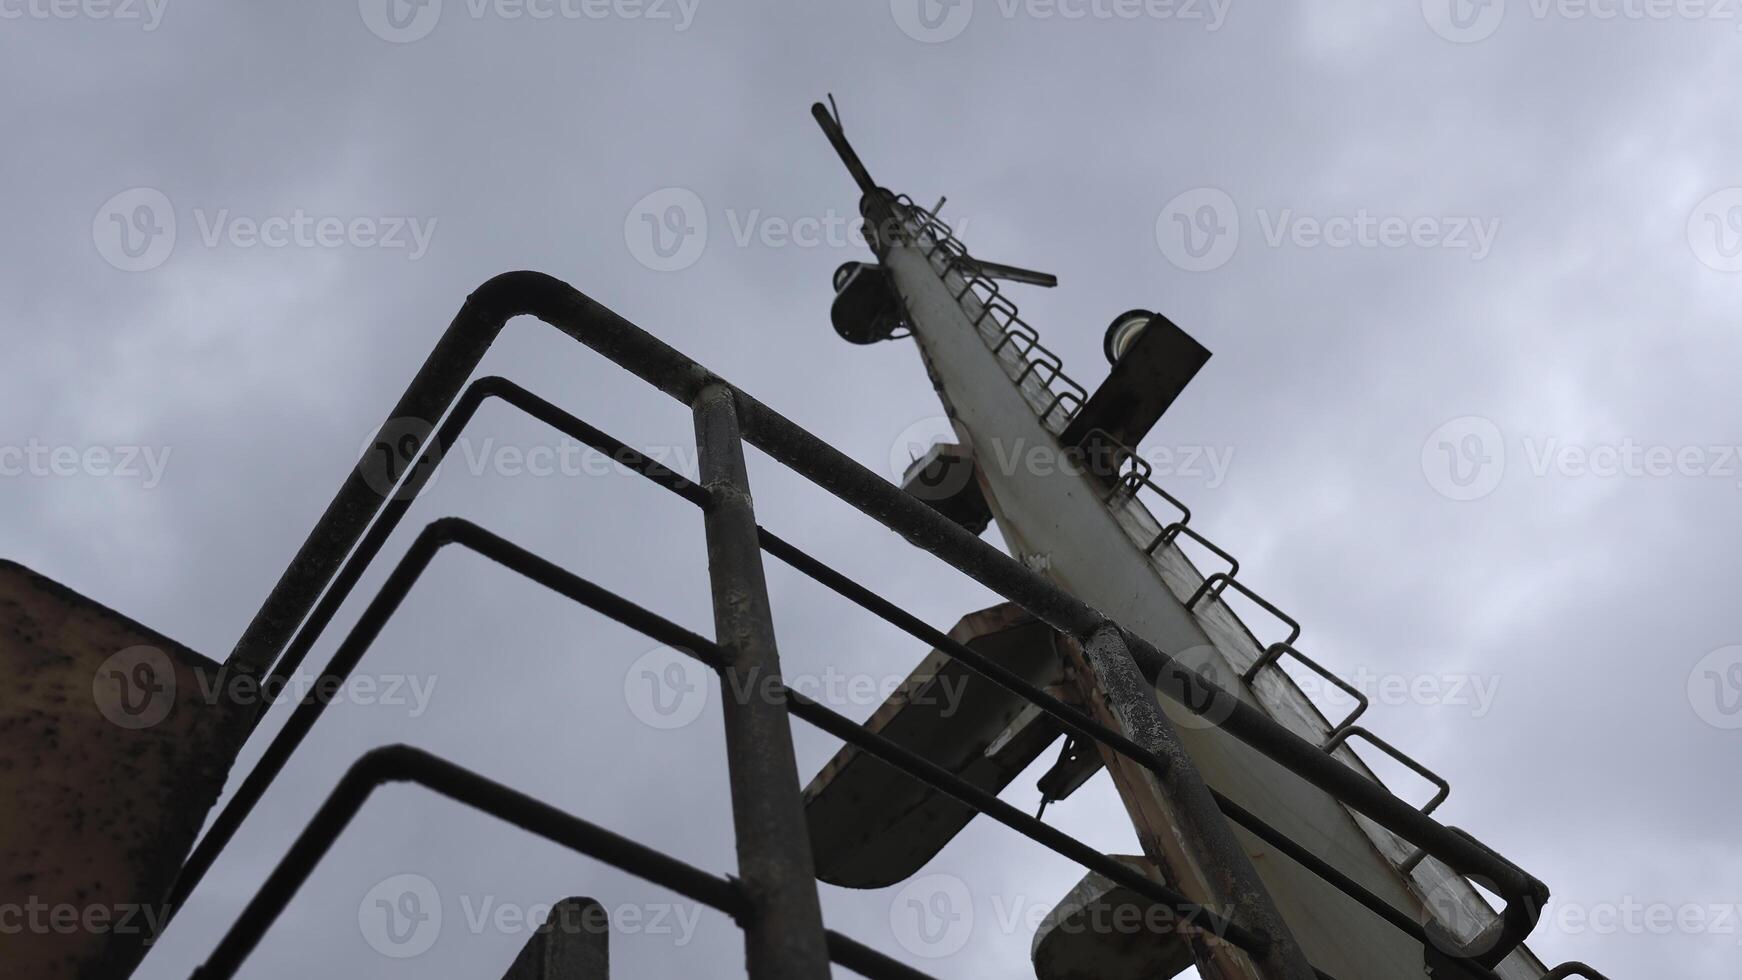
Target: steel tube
401,763
481,319
411,567
784,934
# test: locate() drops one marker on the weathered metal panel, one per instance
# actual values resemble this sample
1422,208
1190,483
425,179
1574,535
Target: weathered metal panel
1102,931
110,756
871,825
572,944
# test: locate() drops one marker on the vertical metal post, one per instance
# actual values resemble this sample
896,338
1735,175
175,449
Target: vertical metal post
784,937
1191,838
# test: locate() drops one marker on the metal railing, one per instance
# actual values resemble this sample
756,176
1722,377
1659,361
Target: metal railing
1001,326
775,892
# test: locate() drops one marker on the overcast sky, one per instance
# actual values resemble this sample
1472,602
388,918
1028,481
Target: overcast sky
1469,275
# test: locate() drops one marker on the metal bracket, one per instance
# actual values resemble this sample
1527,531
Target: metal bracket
1445,788
1275,654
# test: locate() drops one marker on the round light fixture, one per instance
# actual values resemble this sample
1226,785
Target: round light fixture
1123,332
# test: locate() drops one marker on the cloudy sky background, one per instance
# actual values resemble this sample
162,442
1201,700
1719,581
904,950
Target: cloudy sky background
1602,315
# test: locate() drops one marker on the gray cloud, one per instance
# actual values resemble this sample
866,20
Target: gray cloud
1591,320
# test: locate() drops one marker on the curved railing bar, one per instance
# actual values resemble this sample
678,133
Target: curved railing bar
453,530
434,537
1408,761
489,308
422,469
404,764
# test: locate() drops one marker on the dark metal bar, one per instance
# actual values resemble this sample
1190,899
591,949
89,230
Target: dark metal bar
512,294
1218,583
1573,968
1209,841
784,937
426,399
451,530
454,530
1015,273
401,763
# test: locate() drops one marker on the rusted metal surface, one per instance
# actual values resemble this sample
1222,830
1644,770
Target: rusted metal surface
1103,931
487,310
872,826
1177,820
110,755
783,940
573,943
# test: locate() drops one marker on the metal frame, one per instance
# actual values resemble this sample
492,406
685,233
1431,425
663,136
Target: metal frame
445,372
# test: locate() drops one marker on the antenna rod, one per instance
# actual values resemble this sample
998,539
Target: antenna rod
832,129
